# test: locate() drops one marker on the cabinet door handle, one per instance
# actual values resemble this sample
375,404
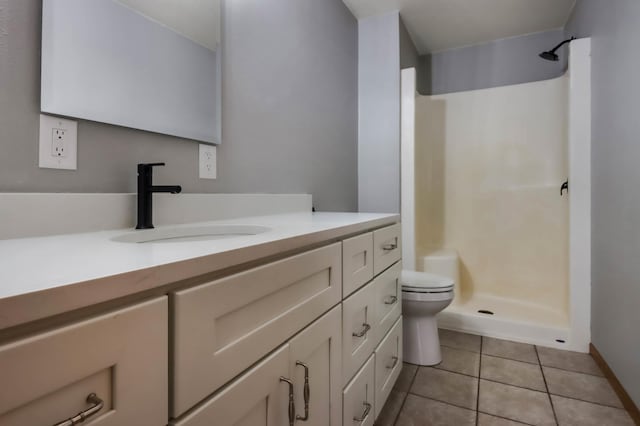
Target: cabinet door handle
391,300
292,403
365,329
394,362
92,398
365,413
306,392
389,247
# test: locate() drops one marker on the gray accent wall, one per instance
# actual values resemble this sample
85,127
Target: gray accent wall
615,300
498,63
281,134
379,114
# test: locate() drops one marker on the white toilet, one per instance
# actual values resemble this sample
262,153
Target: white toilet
423,296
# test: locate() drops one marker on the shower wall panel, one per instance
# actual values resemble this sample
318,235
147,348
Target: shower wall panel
489,166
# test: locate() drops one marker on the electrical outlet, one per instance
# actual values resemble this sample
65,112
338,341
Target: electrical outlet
58,143
208,161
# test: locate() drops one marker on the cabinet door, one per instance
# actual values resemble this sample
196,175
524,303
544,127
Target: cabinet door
387,247
357,262
358,331
223,327
388,364
388,300
359,397
317,350
257,398
121,356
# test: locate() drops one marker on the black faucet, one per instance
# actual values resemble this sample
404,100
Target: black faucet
145,194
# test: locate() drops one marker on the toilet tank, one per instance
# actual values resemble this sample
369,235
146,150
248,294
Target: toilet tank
443,262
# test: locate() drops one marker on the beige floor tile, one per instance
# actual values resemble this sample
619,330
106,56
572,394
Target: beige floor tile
457,340
406,377
516,373
419,411
510,350
487,420
580,386
571,412
391,409
514,403
572,361
446,386
459,361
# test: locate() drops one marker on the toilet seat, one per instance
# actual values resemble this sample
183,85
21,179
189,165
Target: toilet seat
423,282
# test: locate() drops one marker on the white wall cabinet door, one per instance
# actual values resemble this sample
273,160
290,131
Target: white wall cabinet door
257,398
317,350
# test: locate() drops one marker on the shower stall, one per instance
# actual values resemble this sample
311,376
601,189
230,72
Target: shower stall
485,175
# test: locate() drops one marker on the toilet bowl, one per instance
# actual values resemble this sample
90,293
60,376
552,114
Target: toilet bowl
423,296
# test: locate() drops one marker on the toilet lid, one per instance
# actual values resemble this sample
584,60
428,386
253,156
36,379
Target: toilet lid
424,282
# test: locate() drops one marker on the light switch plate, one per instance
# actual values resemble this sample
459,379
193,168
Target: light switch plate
58,143
208,161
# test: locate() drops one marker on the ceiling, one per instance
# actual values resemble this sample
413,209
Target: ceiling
198,20
437,25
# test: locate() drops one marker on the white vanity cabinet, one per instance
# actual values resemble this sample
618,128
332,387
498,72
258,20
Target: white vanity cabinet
121,357
372,331
261,396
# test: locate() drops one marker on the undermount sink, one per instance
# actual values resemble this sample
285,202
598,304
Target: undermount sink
190,233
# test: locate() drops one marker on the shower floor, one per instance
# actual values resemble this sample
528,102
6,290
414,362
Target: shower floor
507,319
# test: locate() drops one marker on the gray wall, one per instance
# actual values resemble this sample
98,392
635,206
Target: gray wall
280,133
498,63
613,26
379,119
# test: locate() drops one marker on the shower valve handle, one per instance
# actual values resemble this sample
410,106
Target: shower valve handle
565,186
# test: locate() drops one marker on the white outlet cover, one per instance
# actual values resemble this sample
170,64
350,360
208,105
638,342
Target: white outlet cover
208,161
47,157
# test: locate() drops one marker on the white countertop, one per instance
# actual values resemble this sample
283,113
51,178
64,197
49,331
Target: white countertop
41,277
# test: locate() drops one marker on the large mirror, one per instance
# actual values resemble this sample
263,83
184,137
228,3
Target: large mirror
153,65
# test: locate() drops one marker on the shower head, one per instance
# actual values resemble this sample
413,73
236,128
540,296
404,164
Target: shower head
551,55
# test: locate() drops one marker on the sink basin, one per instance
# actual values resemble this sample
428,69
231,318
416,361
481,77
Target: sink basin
190,233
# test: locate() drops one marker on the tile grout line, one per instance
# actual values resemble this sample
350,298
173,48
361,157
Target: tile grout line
443,402
404,399
600,404
479,374
505,418
553,409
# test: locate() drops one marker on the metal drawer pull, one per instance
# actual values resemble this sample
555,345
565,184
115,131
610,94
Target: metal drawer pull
365,329
307,392
292,403
393,363
84,415
367,408
389,247
391,300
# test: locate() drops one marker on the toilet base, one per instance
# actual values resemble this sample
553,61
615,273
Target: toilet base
421,341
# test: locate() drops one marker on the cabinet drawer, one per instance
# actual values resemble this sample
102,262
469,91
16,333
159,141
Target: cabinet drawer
120,356
388,364
358,330
258,397
387,247
388,300
359,397
357,263
223,327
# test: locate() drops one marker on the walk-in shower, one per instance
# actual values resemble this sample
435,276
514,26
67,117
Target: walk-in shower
482,173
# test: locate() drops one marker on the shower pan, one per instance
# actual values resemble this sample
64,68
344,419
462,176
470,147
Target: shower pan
482,173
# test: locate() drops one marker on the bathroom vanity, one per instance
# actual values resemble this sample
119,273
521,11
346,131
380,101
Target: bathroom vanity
300,324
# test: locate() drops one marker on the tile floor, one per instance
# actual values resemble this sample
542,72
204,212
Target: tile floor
490,382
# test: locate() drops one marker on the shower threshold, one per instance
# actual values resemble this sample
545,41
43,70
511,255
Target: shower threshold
507,319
